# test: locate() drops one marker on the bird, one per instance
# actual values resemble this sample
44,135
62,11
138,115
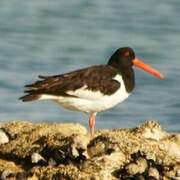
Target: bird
93,89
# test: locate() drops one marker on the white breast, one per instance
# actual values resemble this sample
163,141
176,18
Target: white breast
89,101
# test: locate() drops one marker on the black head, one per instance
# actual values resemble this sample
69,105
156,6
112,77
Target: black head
122,58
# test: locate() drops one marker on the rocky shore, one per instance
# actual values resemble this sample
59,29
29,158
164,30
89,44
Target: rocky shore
66,151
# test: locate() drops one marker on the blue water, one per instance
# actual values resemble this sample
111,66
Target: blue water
52,37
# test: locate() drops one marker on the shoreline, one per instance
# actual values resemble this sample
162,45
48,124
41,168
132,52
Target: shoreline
66,151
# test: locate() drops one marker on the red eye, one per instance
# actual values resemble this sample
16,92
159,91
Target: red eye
126,53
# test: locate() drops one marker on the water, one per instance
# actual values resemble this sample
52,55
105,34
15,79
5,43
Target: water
52,37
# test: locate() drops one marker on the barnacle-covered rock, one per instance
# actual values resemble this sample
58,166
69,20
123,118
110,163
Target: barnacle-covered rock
67,151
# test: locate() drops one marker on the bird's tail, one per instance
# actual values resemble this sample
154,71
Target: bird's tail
30,97
36,90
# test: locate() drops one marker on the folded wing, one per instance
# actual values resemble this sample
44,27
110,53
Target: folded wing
89,83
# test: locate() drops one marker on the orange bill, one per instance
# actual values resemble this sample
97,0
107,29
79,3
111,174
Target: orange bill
140,64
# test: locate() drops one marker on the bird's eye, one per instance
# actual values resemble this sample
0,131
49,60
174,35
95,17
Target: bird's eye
126,54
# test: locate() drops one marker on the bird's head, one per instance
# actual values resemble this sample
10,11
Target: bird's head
124,58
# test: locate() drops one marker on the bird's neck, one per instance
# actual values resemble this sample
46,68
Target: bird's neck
128,78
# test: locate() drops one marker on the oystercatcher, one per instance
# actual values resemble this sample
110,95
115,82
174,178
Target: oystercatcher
93,89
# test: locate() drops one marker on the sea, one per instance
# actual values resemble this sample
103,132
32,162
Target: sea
43,37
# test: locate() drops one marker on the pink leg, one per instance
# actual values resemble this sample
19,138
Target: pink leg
92,119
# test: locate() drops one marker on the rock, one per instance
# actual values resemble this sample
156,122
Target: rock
79,145
151,178
142,165
36,157
151,130
132,169
3,137
5,174
52,162
34,177
139,177
21,176
153,172
66,151
178,173
172,148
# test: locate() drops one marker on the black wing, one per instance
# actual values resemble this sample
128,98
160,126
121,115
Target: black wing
96,78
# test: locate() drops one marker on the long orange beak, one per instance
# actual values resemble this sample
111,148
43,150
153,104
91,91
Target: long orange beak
140,64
